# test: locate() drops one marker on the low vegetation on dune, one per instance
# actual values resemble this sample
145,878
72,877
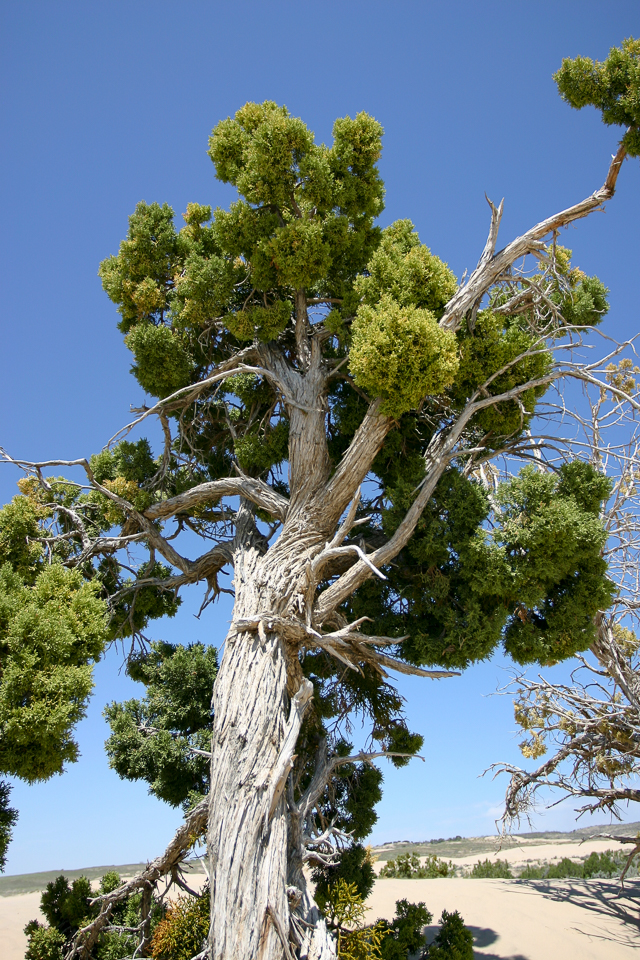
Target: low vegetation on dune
608,864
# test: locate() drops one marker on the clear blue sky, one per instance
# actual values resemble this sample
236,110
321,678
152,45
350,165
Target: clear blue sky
106,104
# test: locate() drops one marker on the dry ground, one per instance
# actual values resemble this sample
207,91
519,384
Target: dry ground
510,919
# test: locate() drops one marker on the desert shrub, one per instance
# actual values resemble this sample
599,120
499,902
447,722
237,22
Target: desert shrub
45,943
453,941
67,908
180,935
408,867
491,870
404,933
565,868
607,864
533,873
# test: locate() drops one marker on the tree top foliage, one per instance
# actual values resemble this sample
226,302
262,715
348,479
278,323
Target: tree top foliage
613,86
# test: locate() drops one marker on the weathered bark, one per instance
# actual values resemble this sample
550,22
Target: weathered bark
259,700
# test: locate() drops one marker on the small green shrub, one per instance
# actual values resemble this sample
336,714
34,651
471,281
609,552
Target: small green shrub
453,941
45,943
491,870
404,932
408,867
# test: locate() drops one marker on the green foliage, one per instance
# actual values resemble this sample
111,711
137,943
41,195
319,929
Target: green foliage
180,935
259,450
307,211
260,323
533,582
132,462
612,86
609,863
45,943
50,634
346,910
355,868
553,538
406,271
453,941
162,365
18,532
8,818
496,344
491,870
67,908
587,304
151,738
408,867
404,933
305,219
399,353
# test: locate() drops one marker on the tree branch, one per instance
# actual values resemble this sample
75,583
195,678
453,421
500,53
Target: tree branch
490,267
255,490
184,839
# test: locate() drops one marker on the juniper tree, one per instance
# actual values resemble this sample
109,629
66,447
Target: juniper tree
329,396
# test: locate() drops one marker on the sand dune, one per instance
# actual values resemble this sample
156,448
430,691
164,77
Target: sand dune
528,919
510,919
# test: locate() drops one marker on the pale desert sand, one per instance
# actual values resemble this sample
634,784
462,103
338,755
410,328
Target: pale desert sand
15,912
510,919
528,919
529,851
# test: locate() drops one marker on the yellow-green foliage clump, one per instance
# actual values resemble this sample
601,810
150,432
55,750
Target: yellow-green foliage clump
49,636
346,912
407,271
398,351
180,936
611,85
260,323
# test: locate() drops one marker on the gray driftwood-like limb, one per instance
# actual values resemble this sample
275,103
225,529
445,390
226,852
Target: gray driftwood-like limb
255,490
491,267
183,840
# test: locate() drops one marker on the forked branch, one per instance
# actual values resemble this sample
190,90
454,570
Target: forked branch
491,267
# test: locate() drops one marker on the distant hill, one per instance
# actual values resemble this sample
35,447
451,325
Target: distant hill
32,882
469,846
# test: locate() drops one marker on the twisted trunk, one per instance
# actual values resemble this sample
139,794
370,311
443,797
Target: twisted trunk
261,907
259,700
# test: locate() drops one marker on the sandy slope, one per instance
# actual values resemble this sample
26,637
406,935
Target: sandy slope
529,920
15,912
511,920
